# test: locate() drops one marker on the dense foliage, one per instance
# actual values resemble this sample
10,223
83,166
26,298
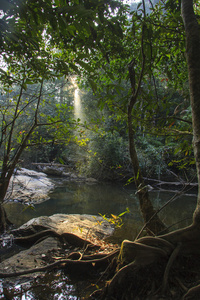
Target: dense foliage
98,44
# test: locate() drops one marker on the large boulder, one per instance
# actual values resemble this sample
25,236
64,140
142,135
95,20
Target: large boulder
63,171
85,226
29,186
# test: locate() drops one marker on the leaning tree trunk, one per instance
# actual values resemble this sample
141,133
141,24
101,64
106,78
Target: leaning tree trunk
4,182
4,221
192,30
153,223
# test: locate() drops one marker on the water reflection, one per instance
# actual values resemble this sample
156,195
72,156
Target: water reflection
81,198
49,286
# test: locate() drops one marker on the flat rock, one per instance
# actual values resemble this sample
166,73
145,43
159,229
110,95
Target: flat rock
30,258
92,228
85,226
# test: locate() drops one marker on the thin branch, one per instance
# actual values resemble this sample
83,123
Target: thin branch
152,5
143,65
19,112
38,103
173,118
22,146
49,123
144,8
15,114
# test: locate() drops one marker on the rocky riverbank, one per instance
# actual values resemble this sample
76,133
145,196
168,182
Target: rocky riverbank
47,239
32,187
29,186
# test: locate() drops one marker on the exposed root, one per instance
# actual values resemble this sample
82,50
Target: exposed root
157,242
193,293
84,265
149,267
183,287
168,267
69,238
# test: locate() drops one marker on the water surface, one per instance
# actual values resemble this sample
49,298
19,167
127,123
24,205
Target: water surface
106,199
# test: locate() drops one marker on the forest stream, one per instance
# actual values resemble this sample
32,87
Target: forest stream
94,199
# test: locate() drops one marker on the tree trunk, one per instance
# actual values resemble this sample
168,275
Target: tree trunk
4,222
192,30
154,224
4,183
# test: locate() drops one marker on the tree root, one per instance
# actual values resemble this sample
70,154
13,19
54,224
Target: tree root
87,263
76,263
144,250
168,267
193,293
146,265
69,238
183,287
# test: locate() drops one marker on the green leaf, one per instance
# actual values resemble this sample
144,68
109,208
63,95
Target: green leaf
85,65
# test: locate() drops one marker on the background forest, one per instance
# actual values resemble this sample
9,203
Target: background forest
83,113
92,136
